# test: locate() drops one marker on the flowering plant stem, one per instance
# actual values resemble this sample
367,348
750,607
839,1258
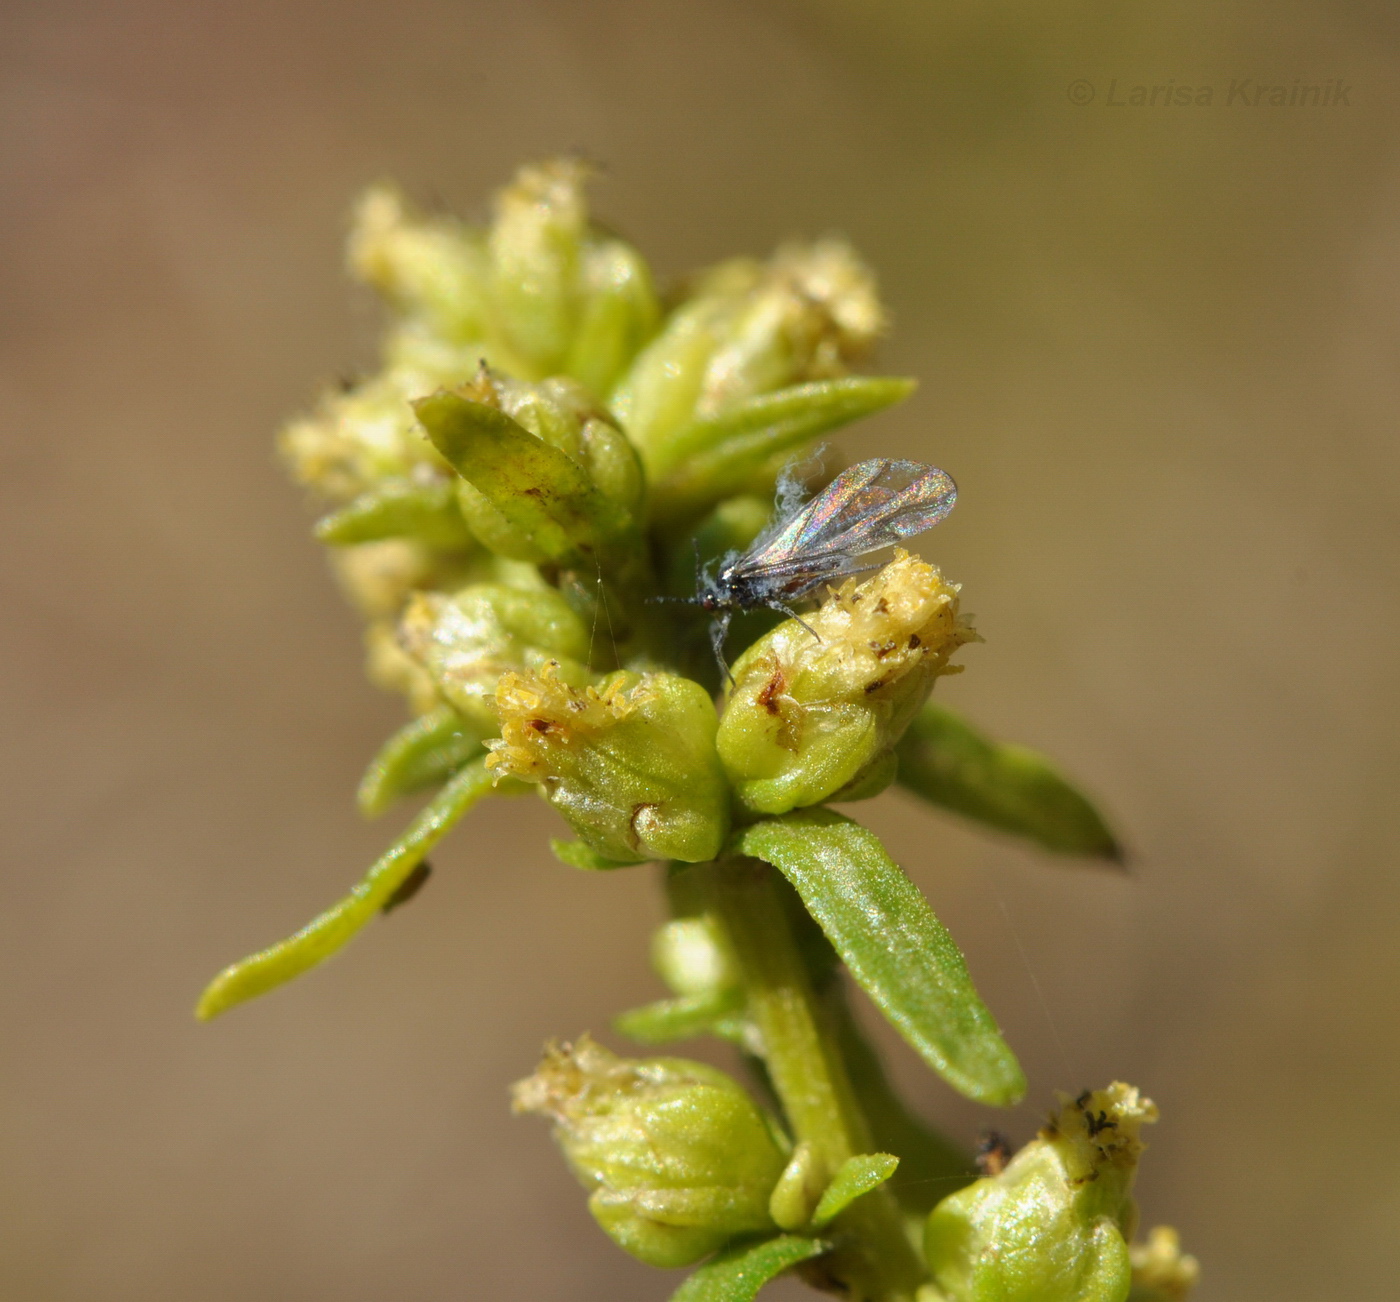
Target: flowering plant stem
808,1071
533,502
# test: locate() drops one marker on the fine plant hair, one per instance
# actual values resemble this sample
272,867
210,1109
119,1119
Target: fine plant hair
529,502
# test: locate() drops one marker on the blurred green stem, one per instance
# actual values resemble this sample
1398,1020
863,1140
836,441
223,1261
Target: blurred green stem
809,1074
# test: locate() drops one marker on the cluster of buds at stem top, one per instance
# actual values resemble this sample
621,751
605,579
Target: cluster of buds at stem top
631,764
818,704
748,328
1054,1225
677,1156
540,293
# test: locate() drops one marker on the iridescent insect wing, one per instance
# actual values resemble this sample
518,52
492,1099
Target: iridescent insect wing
858,513
826,514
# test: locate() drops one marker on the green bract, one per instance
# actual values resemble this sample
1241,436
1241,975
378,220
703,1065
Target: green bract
517,501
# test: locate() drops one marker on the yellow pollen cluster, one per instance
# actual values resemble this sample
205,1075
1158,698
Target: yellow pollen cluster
540,712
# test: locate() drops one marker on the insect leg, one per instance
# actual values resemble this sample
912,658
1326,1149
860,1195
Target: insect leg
719,630
792,614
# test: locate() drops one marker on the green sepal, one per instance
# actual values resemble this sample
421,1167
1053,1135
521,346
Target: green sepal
422,753
895,948
578,854
681,1018
855,1178
737,1273
398,508
949,763
715,457
330,931
540,492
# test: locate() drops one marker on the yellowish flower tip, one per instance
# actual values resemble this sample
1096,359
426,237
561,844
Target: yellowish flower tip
1161,1268
379,216
1100,1129
482,388
541,713
830,276
870,637
555,185
572,1079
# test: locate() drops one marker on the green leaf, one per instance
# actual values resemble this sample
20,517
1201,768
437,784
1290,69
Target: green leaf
541,492
737,1273
946,761
898,952
856,1177
713,458
398,508
329,931
675,1019
421,754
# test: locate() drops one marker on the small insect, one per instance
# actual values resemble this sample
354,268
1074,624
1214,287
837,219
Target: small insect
873,505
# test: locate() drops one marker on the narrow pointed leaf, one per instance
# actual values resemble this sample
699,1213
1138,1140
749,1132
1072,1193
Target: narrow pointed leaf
713,458
856,1177
331,930
539,490
898,952
737,1274
949,763
674,1019
398,508
427,751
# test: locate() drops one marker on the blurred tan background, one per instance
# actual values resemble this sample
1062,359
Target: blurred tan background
1158,350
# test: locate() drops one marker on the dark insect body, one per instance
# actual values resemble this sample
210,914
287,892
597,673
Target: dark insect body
871,506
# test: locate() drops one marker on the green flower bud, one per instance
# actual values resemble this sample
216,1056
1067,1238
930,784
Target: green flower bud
619,313
676,1155
434,268
536,247
748,329
814,718
1053,1225
693,957
1161,1271
631,765
466,641
562,414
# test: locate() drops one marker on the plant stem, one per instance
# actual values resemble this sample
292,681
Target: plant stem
873,1259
